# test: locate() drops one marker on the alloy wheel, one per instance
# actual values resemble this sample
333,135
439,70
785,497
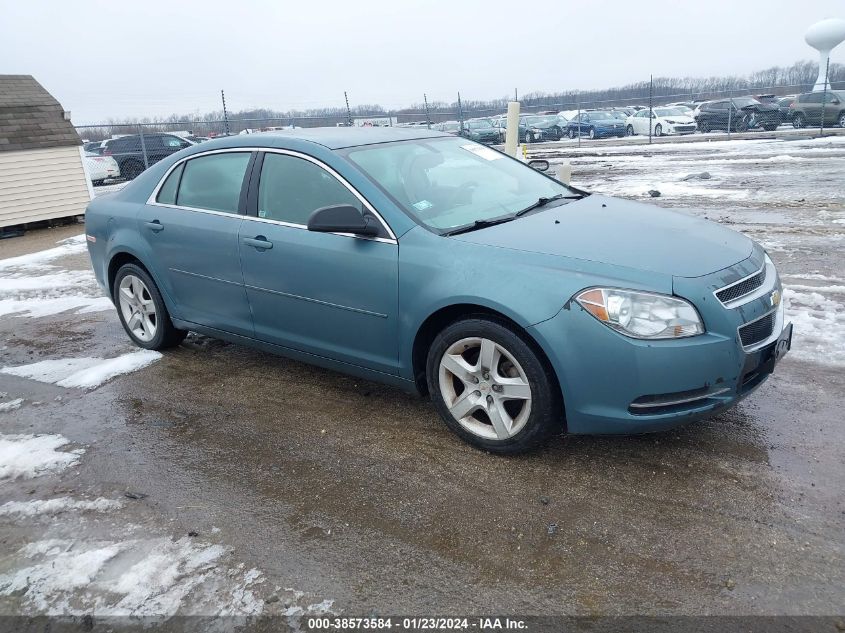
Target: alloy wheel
137,307
484,387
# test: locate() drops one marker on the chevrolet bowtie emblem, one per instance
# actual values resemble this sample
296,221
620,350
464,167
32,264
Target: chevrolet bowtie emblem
775,298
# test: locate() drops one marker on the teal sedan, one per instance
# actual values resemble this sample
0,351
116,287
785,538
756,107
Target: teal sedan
522,307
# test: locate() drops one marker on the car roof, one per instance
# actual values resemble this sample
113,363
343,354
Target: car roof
329,137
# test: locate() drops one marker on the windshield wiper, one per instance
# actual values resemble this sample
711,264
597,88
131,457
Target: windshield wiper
542,202
479,224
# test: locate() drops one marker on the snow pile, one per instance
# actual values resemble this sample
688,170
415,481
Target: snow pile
85,373
138,577
818,318
70,246
11,405
57,506
27,456
37,307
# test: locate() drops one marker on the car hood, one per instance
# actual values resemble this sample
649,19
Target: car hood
622,233
680,118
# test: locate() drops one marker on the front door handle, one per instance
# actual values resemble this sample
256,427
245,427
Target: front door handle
155,226
259,241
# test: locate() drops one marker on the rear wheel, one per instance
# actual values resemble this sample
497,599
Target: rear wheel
798,121
771,127
592,133
629,130
142,311
842,119
491,388
529,137
572,133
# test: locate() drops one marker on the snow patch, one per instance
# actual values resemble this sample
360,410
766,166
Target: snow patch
70,246
11,405
28,456
38,307
818,323
85,373
57,506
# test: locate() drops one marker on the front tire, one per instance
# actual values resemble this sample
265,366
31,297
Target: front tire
842,119
629,130
798,121
572,133
142,311
592,133
529,137
491,387
658,130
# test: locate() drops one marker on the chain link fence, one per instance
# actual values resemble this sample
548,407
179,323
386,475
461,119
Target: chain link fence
656,111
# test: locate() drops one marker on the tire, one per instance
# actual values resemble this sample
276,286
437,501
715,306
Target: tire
798,121
529,137
658,130
841,120
741,125
592,133
136,294
770,128
572,133
131,169
629,130
523,422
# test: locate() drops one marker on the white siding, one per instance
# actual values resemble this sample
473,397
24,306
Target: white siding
42,184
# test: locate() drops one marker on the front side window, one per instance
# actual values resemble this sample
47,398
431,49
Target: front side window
448,182
292,188
213,182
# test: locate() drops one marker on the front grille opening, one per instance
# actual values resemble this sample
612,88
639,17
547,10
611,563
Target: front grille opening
757,331
743,288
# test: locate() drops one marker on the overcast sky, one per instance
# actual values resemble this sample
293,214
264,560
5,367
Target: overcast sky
121,58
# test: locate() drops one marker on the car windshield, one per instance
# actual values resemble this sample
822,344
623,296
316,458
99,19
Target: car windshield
541,120
618,114
483,124
669,112
451,182
741,102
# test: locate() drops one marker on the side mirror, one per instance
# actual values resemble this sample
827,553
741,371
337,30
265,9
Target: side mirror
539,164
342,218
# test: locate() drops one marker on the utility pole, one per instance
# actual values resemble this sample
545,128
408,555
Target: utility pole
225,113
460,113
427,115
515,95
348,111
650,100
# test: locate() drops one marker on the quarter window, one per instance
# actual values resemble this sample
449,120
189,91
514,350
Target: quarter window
167,193
292,188
213,182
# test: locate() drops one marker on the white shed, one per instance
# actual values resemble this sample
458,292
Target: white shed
42,176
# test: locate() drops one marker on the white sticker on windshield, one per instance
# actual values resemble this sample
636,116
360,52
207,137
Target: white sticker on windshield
483,152
422,205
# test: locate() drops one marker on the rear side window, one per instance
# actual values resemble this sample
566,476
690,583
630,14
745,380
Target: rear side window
213,182
167,193
292,188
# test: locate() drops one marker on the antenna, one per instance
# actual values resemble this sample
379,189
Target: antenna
824,36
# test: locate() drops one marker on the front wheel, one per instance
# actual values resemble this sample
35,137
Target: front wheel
842,119
798,121
770,127
491,387
592,133
572,133
142,311
658,130
529,138
629,130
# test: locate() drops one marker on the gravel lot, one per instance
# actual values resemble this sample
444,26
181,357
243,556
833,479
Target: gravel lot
214,478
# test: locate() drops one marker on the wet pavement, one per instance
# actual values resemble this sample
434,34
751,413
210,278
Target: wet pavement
335,489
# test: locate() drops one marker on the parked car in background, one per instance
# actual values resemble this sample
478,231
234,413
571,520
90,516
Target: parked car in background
807,109
129,154
481,130
535,127
740,114
100,168
195,139
595,124
452,127
664,120
522,307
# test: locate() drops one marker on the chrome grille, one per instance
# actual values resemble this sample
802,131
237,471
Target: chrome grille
757,331
741,288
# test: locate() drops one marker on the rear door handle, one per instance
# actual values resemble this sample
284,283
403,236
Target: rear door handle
155,226
260,242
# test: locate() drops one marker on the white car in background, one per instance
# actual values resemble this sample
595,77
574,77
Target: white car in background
664,120
101,168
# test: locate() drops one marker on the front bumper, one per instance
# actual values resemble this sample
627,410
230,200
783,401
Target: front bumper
614,384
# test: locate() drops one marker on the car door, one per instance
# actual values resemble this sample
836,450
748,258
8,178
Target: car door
329,294
813,108
832,107
190,226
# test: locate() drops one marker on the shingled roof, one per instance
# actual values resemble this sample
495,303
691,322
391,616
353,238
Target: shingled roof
30,118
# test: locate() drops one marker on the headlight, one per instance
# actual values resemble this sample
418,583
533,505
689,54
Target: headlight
642,314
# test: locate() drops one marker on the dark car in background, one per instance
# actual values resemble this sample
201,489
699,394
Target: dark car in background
785,107
129,151
807,109
548,126
596,124
738,114
481,130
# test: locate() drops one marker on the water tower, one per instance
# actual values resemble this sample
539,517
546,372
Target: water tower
824,36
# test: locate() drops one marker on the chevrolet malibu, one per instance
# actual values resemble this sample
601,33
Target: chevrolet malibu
522,307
